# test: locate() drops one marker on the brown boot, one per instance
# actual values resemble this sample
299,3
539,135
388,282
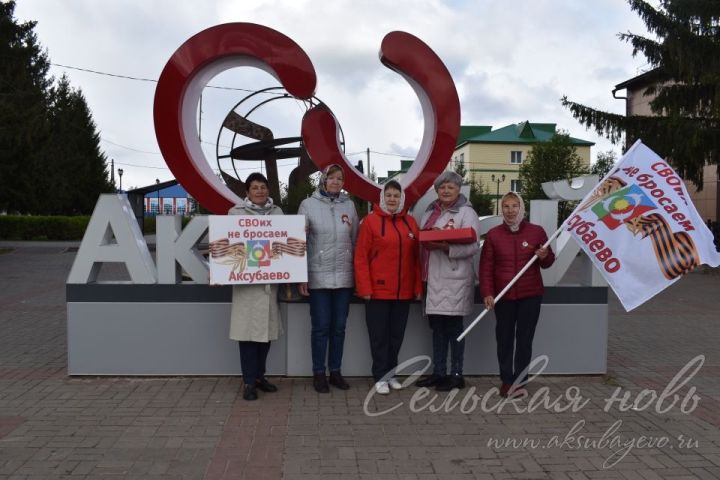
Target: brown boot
337,380
320,383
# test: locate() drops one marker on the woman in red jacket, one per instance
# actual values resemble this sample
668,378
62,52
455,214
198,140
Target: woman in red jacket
387,276
507,248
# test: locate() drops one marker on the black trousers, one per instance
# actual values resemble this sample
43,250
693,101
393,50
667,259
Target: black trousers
514,332
253,356
445,330
386,321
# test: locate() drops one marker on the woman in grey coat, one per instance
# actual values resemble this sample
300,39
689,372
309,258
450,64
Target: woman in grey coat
332,225
254,319
449,271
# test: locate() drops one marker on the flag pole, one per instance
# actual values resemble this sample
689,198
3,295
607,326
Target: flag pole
509,285
554,235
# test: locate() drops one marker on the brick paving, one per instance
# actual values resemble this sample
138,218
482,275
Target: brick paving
56,427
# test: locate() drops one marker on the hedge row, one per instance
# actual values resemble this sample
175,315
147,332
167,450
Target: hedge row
16,227
21,227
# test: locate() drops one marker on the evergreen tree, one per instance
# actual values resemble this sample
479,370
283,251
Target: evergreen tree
293,197
50,157
23,112
686,61
480,198
76,166
549,161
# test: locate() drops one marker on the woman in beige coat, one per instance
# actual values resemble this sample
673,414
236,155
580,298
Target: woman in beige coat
254,320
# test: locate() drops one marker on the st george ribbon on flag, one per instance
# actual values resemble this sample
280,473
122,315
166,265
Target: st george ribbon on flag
640,228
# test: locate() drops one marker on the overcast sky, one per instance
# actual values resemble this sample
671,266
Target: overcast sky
511,61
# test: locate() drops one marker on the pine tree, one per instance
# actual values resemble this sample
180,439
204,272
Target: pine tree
72,154
480,198
23,112
50,157
686,62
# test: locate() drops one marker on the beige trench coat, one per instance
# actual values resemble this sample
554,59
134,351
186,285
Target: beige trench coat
255,315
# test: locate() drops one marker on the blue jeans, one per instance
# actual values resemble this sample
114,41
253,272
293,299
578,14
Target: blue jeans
445,330
329,309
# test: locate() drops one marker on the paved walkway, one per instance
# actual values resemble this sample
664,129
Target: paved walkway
53,426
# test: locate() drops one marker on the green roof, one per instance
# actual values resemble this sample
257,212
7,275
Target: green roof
404,167
468,131
523,132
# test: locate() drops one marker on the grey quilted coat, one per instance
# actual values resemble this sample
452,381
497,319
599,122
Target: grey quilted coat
451,275
332,229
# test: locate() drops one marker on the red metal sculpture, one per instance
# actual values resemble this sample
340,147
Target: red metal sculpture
244,44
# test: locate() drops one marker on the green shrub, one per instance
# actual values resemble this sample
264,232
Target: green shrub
27,227
149,225
21,227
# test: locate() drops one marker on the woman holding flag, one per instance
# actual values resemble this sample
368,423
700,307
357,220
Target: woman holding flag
507,249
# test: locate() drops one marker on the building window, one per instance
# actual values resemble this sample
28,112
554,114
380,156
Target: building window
516,157
516,186
459,160
181,206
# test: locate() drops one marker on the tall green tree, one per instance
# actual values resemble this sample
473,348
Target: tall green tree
685,55
50,157
480,198
604,163
23,112
76,168
549,161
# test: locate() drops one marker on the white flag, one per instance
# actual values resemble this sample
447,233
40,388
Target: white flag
640,228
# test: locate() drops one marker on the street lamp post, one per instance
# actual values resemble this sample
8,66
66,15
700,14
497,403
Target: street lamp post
497,181
157,182
120,172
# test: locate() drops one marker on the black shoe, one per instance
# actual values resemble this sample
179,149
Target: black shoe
429,381
250,393
337,380
263,385
450,383
320,383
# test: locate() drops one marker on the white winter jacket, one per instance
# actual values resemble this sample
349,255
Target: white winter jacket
451,274
332,229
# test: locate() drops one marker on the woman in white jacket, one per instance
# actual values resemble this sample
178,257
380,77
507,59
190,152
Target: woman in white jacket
450,275
332,225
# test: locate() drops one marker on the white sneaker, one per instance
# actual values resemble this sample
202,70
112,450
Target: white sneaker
395,384
382,388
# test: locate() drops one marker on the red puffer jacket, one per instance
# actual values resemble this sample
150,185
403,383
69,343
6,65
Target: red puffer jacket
387,265
505,253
